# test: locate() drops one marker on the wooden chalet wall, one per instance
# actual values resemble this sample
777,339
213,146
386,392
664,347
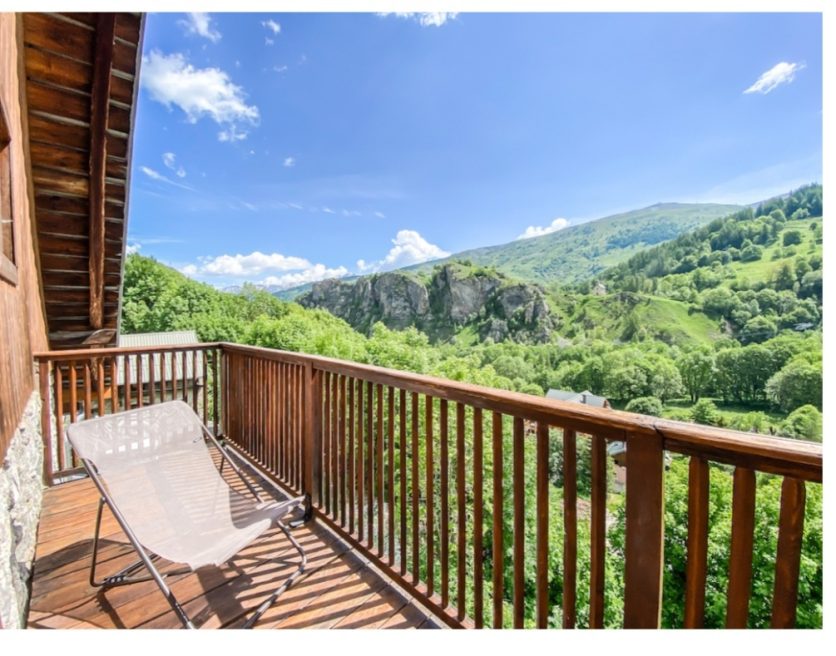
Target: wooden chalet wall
22,328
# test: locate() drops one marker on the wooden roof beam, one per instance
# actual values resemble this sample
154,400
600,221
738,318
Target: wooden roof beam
99,110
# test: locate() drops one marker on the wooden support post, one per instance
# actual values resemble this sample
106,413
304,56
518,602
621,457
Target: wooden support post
645,531
99,106
46,428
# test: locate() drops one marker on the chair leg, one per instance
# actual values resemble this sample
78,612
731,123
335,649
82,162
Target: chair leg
287,582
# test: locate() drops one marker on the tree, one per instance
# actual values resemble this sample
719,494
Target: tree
758,329
799,383
791,237
804,423
697,371
705,412
645,405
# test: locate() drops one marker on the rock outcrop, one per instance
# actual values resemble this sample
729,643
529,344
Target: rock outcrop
454,296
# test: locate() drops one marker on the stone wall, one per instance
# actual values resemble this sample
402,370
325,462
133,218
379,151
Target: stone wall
21,491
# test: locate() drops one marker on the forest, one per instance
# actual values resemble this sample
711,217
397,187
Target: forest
723,327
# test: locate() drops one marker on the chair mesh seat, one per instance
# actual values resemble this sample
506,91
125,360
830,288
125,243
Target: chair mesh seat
158,470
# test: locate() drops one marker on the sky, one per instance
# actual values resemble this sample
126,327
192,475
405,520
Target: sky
282,149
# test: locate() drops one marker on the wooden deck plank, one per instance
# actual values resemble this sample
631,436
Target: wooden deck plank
338,588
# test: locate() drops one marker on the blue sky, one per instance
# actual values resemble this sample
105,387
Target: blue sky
285,148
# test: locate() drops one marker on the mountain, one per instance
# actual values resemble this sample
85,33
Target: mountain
455,296
582,251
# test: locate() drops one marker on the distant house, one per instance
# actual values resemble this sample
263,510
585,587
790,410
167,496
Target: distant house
586,397
168,369
616,450
599,289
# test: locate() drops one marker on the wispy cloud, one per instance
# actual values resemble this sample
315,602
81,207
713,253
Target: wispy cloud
539,231
272,25
408,247
313,273
424,18
200,23
289,162
159,177
169,159
380,215
781,73
328,210
198,92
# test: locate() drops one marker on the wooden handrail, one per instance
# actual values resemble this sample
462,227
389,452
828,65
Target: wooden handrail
778,455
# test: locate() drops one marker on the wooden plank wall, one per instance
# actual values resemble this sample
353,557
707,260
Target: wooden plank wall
22,328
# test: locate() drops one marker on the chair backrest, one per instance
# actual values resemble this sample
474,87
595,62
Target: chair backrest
157,468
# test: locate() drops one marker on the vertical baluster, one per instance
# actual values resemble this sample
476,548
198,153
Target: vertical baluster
204,355
498,538
73,392
444,494
598,530
88,394
478,520
379,467
114,386
695,573
416,551
740,560
152,383
352,466
570,527
272,417
139,381
343,457
194,380
360,469
519,520
326,440
402,483
58,382
335,446
788,561
100,387
428,421
542,525
370,455
184,370
390,470
281,441
461,515
215,399
171,371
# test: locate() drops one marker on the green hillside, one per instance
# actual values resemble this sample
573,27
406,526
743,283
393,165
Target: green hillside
582,251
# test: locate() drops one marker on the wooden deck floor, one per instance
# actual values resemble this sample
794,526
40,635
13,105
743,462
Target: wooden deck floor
338,590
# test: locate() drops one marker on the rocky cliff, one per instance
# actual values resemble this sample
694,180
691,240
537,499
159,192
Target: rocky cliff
452,297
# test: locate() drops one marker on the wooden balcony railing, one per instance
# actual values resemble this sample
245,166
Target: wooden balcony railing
442,484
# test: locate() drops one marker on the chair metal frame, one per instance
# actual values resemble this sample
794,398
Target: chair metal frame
146,559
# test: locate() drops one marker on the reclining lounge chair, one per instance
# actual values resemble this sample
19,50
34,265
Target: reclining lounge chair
153,468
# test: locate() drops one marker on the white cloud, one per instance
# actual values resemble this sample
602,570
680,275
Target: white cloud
425,18
272,25
781,73
132,248
295,206
380,215
313,273
280,69
198,92
169,159
328,210
289,162
539,231
200,23
408,247
254,264
268,41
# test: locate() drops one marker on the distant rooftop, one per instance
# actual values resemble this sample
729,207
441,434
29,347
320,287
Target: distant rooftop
194,369
586,397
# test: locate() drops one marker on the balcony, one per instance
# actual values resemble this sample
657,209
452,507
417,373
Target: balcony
434,503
